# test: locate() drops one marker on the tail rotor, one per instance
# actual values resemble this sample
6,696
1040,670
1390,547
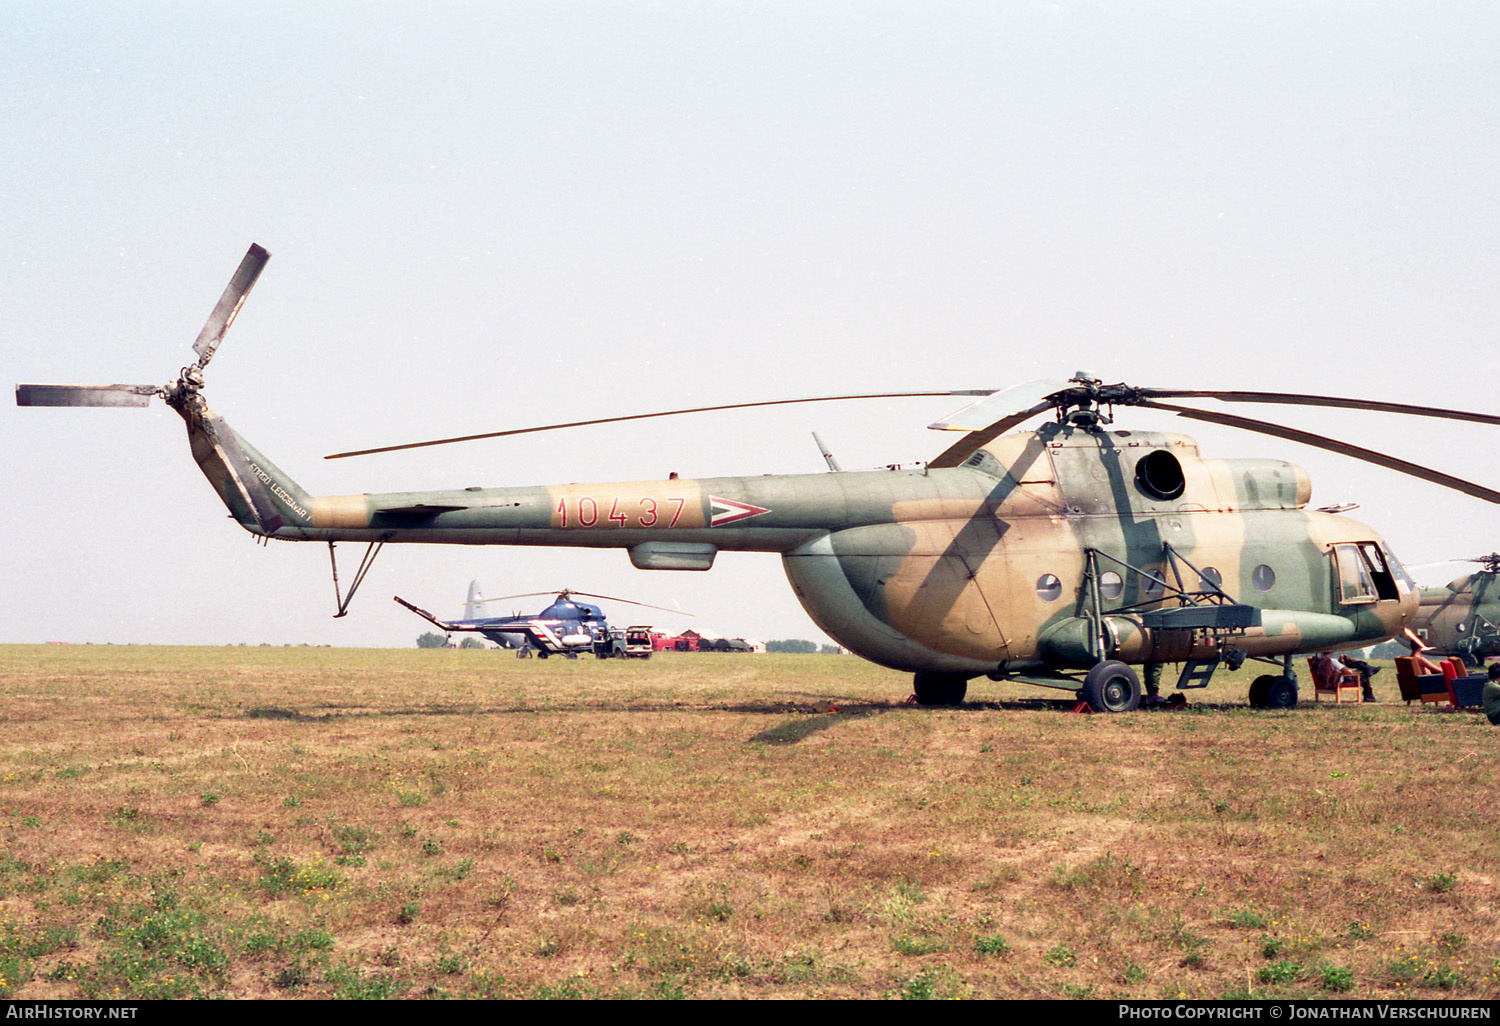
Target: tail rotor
189,381
216,447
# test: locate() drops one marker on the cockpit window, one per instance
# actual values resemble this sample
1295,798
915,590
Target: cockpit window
1365,574
1404,583
1355,583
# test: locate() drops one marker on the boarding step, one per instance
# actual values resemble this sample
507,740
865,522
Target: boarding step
1196,673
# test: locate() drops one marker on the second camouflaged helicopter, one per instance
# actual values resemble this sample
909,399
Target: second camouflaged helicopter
1061,557
1462,618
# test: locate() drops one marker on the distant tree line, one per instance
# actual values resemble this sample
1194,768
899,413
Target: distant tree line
800,646
431,640
792,645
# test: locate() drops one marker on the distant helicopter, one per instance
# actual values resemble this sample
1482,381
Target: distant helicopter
565,627
1462,618
1062,557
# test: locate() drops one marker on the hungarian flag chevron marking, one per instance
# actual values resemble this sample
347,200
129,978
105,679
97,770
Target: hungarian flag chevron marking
727,511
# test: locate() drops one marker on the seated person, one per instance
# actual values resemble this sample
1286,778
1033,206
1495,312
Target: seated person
1329,673
1420,663
1365,671
1490,701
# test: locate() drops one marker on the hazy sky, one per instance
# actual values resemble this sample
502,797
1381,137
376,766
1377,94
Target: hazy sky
493,215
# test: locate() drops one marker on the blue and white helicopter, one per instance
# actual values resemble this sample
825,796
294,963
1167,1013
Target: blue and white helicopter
564,628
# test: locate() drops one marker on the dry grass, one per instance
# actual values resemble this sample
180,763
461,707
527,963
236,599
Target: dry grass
316,822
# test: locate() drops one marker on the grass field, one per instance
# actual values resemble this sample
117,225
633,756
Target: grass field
300,822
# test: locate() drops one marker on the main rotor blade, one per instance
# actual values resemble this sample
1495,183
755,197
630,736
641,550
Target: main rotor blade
85,395
965,446
530,594
1492,560
1380,459
586,594
630,602
980,415
229,304
646,416
1295,399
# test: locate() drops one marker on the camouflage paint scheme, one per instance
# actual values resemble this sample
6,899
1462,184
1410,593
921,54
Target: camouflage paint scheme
1463,617
939,570
1028,557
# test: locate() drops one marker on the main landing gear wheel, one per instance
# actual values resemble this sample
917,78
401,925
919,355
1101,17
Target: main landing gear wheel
940,688
1113,687
1261,690
1281,694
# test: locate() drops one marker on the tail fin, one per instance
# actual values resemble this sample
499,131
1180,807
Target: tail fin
258,495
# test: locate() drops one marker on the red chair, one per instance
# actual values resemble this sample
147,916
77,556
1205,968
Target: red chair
1464,691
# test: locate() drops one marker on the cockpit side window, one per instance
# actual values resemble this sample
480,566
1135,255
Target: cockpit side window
1380,567
1364,574
1404,583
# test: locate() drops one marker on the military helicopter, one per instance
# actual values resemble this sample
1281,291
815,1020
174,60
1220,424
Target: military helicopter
1462,618
566,627
1062,557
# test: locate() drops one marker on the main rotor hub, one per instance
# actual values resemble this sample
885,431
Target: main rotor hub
1084,405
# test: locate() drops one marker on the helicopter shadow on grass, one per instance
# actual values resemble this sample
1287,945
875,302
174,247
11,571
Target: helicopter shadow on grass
802,719
821,714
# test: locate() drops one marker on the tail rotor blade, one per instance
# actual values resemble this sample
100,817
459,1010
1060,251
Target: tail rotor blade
85,395
229,304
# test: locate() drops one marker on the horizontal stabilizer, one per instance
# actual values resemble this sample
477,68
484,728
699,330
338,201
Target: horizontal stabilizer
85,395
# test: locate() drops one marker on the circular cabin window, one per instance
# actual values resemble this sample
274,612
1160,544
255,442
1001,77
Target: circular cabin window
1210,579
1159,475
1111,585
1263,577
1048,587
